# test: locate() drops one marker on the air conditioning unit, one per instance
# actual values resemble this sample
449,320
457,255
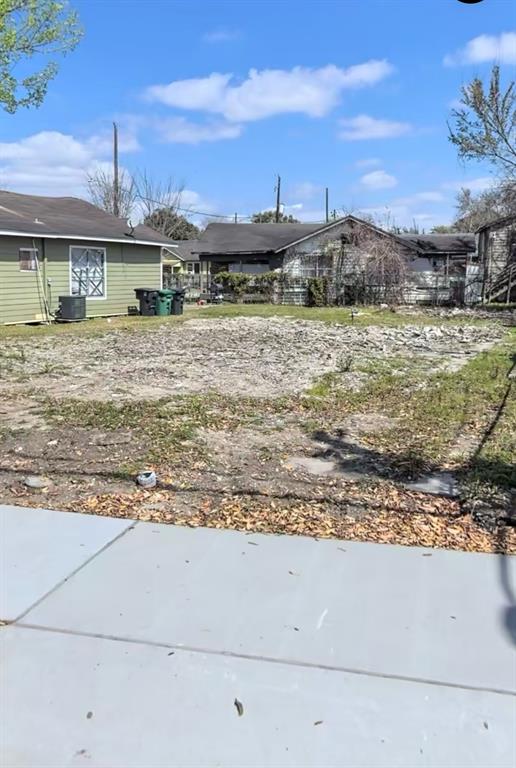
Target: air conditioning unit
71,308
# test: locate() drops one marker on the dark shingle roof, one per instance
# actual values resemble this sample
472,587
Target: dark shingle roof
453,243
67,216
498,222
252,238
267,238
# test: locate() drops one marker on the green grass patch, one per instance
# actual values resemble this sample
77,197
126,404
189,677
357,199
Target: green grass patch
432,412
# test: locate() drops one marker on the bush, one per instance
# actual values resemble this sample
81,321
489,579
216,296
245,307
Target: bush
236,282
317,292
265,283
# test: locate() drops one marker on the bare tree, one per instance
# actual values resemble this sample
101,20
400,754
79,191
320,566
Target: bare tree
161,207
371,266
157,203
153,195
101,189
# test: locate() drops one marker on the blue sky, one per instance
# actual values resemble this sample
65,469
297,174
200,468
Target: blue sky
353,95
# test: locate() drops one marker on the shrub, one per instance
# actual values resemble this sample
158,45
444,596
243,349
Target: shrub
236,282
317,292
265,283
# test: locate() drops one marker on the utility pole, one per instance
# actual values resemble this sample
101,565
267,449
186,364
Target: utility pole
236,218
116,188
327,210
278,199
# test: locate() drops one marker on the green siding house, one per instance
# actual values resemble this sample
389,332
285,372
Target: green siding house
63,246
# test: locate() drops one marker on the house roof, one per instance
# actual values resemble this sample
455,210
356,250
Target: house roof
498,222
68,218
432,244
185,250
273,238
255,238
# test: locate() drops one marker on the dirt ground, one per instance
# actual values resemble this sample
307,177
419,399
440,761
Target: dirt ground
269,460
261,357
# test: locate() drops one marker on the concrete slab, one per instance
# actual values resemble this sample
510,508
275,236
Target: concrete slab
77,701
427,615
40,548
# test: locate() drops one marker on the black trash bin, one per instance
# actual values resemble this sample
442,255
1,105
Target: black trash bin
147,298
177,301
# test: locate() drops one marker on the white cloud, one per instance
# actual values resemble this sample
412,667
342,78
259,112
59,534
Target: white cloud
268,92
57,164
51,163
294,207
221,35
365,127
368,162
484,48
393,214
378,180
305,190
475,185
179,130
312,215
421,197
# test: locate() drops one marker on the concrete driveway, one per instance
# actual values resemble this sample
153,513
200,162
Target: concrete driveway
137,645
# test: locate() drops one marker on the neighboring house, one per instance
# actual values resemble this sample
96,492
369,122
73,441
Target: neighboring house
182,267
435,264
496,250
441,267
55,246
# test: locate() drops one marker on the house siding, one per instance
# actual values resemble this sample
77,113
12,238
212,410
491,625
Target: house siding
21,293
496,245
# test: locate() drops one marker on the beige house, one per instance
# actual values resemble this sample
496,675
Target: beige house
63,246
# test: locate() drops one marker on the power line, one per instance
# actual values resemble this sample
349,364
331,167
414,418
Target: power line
163,204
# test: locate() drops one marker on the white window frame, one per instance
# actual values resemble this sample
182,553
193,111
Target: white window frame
89,246
33,258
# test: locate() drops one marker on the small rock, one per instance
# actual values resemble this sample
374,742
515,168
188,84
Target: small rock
36,482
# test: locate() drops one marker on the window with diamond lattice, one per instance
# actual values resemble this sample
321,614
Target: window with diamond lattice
88,272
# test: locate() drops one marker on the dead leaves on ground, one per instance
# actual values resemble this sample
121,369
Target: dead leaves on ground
436,523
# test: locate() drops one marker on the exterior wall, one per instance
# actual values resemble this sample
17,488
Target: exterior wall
436,278
314,257
21,293
496,245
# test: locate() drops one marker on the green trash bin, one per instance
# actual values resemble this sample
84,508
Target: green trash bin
164,302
